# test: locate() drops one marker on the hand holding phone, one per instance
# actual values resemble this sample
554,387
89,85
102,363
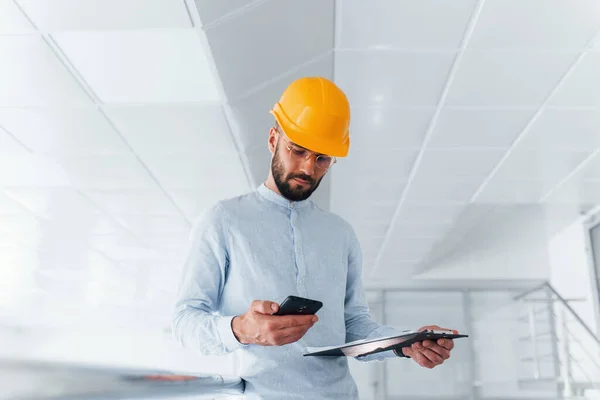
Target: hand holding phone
259,326
294,305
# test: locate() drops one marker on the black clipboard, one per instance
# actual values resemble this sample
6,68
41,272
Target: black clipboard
367,347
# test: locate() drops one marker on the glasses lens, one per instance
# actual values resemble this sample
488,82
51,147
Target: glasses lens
324,161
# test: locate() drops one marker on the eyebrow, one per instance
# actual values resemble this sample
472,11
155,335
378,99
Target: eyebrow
304,148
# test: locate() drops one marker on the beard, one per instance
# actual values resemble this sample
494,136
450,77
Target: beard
283,181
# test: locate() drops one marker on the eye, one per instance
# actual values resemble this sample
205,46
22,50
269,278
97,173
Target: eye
298,152
324,161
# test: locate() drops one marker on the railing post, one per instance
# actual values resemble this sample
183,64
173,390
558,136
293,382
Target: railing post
554,340
566,355
533,335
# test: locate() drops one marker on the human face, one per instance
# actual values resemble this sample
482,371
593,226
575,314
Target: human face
295,170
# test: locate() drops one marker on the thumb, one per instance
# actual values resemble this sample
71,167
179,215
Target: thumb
264,307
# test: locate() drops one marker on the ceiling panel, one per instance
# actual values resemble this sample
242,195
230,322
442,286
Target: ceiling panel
210,11
429,214
391,77
558,24
511,191
366,191
425,221
9,145
404,249
478,127
564,129
458,164
193,202
249,39
576,191
156,225
142,66
375,228
107,172
153,130
582,87
9,206
394,127
443,191
373,210
251,114
12,20
591,169
507,78
33,76
123,247
19,223
420,230
259,161
133,201
61,15
550,165
186,171
392,164
62,130
405,24
25,170
52,202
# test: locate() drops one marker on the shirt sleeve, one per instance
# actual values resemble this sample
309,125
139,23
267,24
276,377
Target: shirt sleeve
359,323
195,323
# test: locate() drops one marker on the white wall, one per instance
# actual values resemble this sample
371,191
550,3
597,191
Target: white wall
570,270
572,276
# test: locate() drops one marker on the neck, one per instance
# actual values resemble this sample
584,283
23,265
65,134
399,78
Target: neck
270,183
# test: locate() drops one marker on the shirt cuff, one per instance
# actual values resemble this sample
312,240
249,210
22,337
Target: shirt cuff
230,342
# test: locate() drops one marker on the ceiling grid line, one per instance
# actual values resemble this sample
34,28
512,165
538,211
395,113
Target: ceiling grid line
534,118
281,76
390,228
74,72
570,175
233,14
233,129
57,51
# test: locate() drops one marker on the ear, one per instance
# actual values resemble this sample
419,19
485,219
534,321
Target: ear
272,140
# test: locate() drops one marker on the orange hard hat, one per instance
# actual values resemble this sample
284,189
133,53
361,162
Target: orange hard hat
315,114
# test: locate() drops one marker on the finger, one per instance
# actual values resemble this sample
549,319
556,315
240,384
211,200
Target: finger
298,321
422,360
432,355
407,351
448,344
264,307
441,351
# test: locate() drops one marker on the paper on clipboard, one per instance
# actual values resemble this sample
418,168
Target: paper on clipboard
371,346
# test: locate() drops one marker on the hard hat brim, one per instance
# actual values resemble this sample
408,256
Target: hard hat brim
310,142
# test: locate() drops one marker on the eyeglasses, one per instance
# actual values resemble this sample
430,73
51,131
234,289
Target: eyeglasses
322,161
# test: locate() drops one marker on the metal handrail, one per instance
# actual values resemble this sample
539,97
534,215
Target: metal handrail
577,317
561,346
564,303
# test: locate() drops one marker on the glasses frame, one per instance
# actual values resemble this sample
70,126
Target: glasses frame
310,153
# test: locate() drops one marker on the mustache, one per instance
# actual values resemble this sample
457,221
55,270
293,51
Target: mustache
303,177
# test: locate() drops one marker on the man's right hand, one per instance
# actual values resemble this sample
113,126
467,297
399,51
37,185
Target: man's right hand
258,326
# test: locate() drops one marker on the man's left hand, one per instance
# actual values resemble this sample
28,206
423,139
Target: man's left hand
429,353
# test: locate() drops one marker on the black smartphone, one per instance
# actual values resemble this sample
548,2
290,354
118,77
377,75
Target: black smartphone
294,305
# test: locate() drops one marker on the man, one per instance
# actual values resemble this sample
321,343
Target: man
251,251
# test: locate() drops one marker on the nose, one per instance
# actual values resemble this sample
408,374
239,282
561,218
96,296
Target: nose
308,166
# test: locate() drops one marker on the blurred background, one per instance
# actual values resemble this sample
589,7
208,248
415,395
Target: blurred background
473,180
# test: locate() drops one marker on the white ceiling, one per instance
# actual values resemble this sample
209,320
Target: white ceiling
121,120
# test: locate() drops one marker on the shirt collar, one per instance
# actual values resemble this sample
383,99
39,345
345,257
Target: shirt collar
270,195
